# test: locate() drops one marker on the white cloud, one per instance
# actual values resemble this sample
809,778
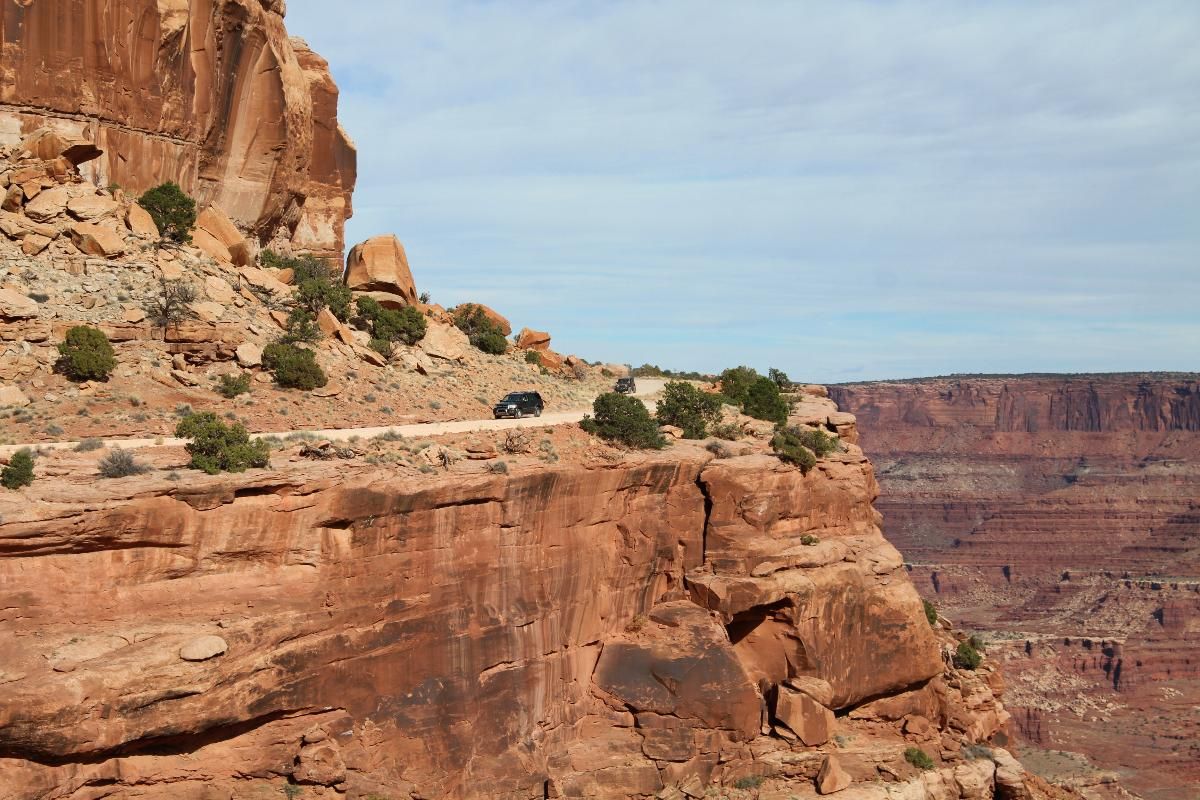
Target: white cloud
820,186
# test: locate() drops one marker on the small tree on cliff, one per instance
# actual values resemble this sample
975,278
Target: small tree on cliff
172,210
686,407
217,447
86,355
764,402
19,471
623,419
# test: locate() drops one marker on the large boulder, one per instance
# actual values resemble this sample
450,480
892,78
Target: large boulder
380,265
16,306
97,240
140,222
16,226
444,341
48,204
807,718
91,207
217,236
529,339
12,396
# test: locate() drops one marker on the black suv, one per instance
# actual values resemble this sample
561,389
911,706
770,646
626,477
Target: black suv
519,404
625,386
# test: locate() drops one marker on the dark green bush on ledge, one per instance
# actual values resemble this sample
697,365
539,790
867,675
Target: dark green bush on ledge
918,758
293,367
624,420
217,447
19,471
86,355
967,657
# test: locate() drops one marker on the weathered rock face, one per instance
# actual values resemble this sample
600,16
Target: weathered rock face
1065,510
209,93
580,632
380,265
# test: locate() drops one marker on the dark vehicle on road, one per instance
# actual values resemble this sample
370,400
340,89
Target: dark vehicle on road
625,386
519,404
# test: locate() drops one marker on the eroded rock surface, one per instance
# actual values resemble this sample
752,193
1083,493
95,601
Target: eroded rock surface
211,94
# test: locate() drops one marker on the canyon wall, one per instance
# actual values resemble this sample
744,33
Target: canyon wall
1063,514
633,629
211,94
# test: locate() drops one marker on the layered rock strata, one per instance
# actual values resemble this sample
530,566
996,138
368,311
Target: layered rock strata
211,94
650,628
1063,513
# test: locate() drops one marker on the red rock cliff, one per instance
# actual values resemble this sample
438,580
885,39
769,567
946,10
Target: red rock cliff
209,93
636,630
1065,512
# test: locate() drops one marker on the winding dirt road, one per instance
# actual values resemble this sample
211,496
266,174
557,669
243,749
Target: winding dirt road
647,389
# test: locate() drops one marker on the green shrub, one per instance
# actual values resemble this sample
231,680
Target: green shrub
480,330
736,383
491,343
233,385
729,431
918,758
780,378
686,407
808,540
763,401
86,355
217,447
406,325
623,419
381,346
322,292
749,782
301,326
293,367
19,471
120,464
89,444
533,357
967,657
802,446
930,613
172,211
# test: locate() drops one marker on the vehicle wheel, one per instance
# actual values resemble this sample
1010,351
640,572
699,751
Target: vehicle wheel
537,412
517,414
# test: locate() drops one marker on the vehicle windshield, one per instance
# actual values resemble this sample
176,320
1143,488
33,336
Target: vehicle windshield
513,397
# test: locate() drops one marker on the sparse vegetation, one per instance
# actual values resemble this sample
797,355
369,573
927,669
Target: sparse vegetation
89,444
301,326
780,378
317,287
217,447
231,386
654,371
293,367
623,419
172,304
764,402
749,782
386,325
967,657
533,357
809,540
736,383
120,464
918,758
19,471
172,210
480,330
729,431
86,355
930,613
686,407
802,446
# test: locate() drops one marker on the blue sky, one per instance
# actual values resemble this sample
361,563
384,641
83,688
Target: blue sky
844,190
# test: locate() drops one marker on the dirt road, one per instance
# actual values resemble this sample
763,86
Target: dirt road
647,389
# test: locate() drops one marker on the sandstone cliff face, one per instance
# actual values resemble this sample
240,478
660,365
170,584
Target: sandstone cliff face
209,93
1064,512
642,629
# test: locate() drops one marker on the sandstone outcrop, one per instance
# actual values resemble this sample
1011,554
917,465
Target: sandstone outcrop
564,631
496,318
213,95
380,265
529,339
1063,512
